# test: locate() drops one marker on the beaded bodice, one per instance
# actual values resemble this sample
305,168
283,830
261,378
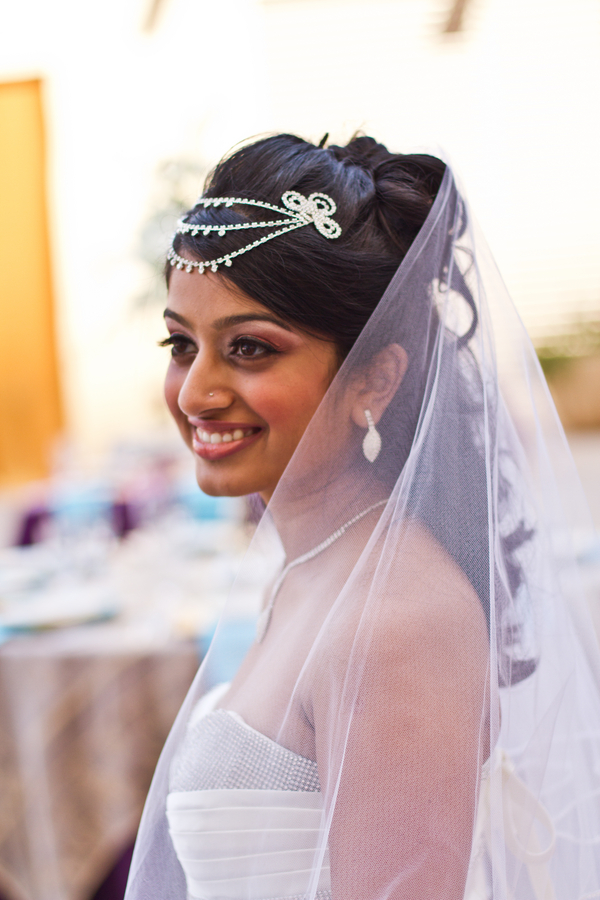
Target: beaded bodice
221,752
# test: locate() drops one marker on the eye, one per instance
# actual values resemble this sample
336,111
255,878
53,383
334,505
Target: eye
180,345
250,348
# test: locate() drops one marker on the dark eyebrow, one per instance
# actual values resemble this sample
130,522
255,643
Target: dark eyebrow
169,314
230,321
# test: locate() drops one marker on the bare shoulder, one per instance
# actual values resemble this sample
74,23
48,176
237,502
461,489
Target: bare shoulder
419,610
425,586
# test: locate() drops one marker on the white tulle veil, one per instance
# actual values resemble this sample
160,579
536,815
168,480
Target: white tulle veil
448,673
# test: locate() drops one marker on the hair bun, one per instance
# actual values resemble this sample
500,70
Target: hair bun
362,151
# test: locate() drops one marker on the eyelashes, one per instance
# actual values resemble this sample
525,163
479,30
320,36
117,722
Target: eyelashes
251,348
180,345
247,348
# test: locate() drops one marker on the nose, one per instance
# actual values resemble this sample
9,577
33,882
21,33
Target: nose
203,390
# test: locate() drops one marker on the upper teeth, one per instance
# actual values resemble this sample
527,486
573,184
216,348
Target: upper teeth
218,437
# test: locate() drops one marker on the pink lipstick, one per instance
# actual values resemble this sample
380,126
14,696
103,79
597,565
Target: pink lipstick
213,440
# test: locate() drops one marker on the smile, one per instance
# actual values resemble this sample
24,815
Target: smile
223,437
216,444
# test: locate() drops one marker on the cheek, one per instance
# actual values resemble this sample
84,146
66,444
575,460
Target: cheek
289,404
173,382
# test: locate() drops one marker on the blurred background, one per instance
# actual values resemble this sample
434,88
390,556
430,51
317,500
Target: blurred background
111,115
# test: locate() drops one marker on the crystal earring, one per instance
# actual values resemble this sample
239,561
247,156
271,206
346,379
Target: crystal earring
372,440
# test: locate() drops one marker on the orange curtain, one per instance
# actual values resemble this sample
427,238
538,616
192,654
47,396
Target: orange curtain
30,408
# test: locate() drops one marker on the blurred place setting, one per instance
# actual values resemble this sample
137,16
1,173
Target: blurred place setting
113,565
127,546
111,583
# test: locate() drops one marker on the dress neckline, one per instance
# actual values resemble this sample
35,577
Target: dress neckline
207,705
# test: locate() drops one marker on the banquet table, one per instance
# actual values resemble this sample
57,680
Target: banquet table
84,712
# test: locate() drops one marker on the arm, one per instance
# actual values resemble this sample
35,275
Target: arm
414,742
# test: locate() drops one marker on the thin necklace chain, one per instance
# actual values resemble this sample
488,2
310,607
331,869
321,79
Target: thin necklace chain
264,619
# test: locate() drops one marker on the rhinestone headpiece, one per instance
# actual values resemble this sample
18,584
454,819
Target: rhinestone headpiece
298,210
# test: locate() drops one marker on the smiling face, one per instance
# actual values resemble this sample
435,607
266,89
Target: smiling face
242,384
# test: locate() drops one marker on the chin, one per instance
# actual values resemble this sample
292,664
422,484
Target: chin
218,484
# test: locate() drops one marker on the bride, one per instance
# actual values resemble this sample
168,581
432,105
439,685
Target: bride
418,715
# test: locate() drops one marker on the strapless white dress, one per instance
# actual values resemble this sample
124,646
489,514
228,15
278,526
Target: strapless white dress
245,816
244,812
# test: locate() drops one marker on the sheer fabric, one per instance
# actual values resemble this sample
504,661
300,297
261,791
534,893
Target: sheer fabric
436,663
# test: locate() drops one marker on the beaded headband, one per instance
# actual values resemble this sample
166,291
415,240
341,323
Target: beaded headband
299,210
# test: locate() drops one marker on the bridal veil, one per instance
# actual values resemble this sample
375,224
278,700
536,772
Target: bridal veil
450,675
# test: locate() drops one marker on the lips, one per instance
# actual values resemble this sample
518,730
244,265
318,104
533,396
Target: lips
215,440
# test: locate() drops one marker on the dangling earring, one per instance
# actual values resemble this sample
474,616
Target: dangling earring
372,440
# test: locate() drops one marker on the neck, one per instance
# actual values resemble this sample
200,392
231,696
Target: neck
304,518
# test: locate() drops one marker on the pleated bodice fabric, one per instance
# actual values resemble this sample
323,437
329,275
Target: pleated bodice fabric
244,814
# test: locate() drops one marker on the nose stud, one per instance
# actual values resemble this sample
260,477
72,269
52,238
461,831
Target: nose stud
211,394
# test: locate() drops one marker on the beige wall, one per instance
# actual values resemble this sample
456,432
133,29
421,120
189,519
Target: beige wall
512,99
30,406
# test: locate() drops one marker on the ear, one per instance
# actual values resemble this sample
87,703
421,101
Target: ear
379,383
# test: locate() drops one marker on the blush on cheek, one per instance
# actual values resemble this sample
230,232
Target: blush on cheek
276,405
289,407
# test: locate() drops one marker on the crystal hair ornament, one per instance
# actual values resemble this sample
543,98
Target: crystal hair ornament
316,209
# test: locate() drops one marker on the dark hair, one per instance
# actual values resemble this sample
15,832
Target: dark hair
383,200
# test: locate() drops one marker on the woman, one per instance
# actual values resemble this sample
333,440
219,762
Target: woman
417,715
